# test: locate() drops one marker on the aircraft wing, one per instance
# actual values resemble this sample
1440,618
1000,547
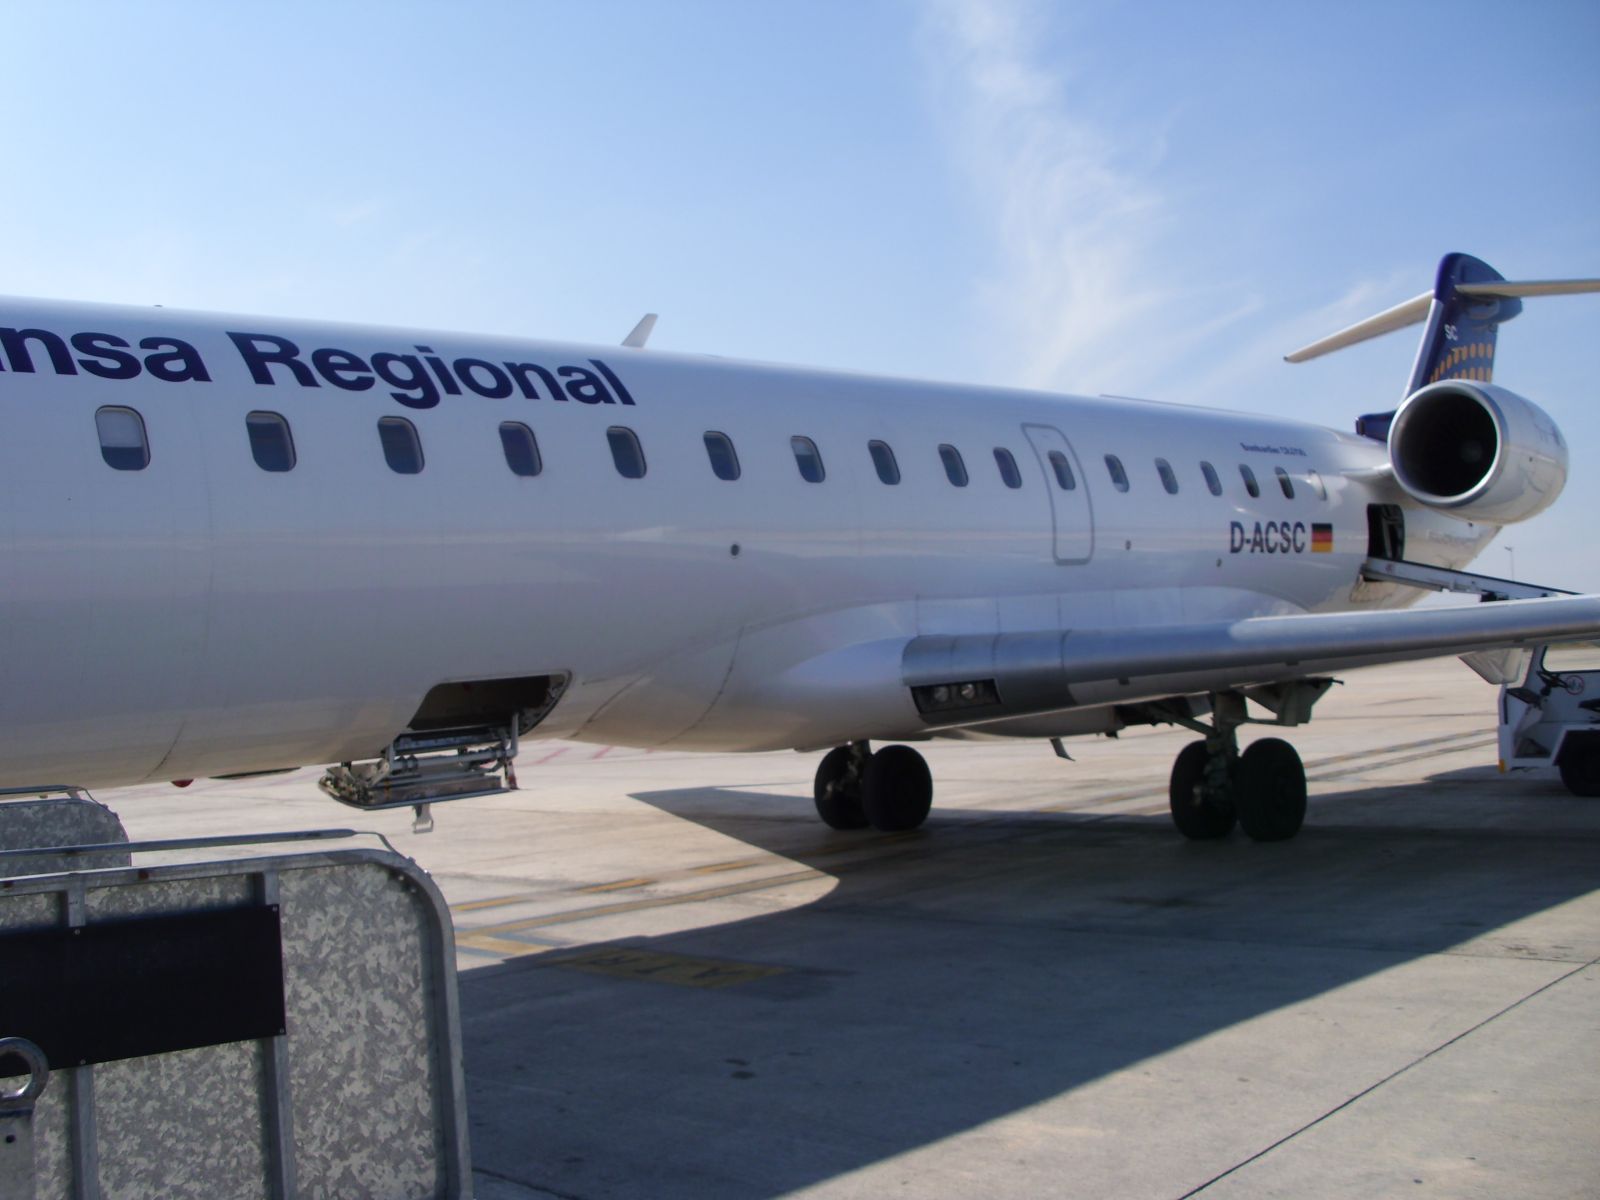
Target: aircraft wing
1025,674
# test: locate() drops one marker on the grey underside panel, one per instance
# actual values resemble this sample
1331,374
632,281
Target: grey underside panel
1055,670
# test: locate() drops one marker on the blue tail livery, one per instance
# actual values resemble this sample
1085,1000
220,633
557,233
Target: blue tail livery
1469,302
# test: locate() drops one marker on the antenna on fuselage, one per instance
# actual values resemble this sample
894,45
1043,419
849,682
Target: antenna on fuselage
641,332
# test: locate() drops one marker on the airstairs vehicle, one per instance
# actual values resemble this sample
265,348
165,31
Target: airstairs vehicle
1552,717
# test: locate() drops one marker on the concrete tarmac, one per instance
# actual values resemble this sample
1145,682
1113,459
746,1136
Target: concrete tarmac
676,982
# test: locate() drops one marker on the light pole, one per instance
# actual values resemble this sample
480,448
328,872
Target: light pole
1512,551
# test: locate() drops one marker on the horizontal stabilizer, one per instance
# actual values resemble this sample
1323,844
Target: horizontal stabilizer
1411,312
1462,281
1533,287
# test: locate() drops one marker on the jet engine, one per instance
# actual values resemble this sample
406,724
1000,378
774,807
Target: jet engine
1477,451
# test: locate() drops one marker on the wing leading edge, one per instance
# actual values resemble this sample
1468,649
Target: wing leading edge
1027,674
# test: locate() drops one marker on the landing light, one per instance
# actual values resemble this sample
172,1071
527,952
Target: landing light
949,697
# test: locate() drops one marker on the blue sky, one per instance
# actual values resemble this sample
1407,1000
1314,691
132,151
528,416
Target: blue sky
1147,199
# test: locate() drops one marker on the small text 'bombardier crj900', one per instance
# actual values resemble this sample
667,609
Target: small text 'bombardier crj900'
238,544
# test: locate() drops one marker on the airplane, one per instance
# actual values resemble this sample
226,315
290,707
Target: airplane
239,545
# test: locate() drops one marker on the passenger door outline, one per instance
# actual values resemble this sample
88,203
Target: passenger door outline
1071,512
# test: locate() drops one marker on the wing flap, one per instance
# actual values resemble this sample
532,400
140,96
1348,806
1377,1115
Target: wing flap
972,679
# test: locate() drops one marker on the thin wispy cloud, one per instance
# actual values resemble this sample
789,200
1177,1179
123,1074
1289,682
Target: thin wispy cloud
1244,368
1077,220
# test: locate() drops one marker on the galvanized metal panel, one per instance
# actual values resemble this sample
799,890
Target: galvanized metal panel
372,1101
58,821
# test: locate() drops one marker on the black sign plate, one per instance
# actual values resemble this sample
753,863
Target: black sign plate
124,989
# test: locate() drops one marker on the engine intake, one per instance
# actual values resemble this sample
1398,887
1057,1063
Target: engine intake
1477,451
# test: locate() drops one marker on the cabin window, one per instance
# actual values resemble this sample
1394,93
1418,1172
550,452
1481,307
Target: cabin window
1065,480
122,439
1168,479
808,459
521,448
1213,482
402,450
1008,467
883,460
1250,484
271,444
955,470
1316,482
1119,477
626,452
719,449
1284,482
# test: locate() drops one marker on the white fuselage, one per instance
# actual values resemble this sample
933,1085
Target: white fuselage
204,616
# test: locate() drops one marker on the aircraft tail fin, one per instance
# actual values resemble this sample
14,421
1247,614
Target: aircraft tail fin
1469,302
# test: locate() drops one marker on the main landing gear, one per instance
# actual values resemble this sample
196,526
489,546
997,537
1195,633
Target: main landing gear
890,789
1214,786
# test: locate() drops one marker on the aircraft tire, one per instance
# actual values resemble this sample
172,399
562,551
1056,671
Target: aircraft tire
1580,764
837,790
1197,817
896,789
1271,791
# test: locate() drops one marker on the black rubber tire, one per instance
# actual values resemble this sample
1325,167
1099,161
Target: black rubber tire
896,789
837,791
1197,817
1580,764
1270,791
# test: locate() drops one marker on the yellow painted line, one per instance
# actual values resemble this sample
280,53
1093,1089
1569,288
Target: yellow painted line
1321,776
739,865
1111,798
524,897
678,969
1396,762
620,885
506,947
484,937
493,902
628,906
1315,770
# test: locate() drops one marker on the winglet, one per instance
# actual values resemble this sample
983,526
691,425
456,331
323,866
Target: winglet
641,332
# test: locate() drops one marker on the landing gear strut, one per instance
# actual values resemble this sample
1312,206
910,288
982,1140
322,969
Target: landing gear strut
890,790
1214,785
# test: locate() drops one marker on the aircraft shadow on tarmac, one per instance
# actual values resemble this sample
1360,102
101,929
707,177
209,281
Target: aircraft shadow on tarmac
987,963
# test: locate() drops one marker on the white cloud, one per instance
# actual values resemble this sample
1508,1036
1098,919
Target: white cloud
1249,367
1080,285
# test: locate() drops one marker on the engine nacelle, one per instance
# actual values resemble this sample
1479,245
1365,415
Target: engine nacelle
1477,451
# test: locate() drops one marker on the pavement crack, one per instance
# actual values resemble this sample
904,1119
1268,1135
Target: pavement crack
537,1188
1393,1075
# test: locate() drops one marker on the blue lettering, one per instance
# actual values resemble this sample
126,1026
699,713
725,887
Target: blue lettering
584,386
446,380
261,352
342,369
180,364
411,379
104,355
15,342
498,387
617,385
521,371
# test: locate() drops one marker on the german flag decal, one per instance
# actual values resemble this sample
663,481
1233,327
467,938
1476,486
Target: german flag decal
1321,539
